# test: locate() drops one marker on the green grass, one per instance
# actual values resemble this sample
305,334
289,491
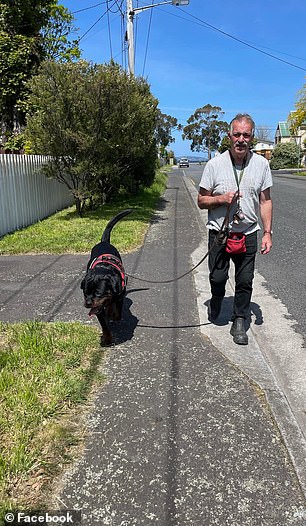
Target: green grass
46,372
65,232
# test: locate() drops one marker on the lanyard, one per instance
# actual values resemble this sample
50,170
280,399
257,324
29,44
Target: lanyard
238,180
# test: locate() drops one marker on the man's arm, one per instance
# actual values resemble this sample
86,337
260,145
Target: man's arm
208,201
266,214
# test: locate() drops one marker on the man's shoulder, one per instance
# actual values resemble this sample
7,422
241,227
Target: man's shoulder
218,160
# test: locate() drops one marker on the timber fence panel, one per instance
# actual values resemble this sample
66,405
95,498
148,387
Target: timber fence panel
26,194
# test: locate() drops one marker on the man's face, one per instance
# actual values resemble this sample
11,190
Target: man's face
240,137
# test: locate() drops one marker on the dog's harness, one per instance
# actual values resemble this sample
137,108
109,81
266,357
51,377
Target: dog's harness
115,262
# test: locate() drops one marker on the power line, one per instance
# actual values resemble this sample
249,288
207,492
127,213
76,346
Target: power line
98,20
122,34
87,8
280,52
199,21
120,7
214,28
109,32
147,43
255,47
91,27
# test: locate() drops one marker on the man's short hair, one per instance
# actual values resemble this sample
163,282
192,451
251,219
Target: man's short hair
242,117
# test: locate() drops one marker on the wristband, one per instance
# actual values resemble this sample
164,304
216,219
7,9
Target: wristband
268,232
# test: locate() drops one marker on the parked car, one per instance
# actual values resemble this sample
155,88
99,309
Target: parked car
184,162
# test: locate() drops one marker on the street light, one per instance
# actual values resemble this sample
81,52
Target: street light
130,26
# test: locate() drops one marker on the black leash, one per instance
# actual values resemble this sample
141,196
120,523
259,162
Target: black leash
174,279
220,239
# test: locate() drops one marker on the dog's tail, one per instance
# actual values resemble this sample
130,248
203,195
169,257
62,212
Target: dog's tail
107,232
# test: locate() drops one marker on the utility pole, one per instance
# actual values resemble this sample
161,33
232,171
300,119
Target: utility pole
130,14
130,36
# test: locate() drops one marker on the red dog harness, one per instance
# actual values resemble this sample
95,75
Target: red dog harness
112,260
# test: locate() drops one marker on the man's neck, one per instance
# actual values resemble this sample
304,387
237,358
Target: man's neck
239,159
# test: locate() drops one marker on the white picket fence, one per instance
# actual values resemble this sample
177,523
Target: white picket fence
26,194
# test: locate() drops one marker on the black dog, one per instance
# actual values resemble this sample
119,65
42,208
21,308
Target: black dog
104,285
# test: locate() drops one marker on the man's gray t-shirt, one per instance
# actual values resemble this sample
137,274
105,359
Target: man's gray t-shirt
219,178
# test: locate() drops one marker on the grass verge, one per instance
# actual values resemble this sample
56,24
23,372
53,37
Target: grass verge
65,232
46,374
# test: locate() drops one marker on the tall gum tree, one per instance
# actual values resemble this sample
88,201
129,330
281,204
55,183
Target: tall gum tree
205,129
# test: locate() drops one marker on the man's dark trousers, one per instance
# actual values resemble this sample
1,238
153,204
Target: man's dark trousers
219,263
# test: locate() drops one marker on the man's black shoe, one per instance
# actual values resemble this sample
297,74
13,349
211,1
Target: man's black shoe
238,331
214,307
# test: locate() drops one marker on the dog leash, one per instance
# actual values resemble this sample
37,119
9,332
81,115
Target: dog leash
220,239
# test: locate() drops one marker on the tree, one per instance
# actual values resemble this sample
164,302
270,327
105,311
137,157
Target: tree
19,57
164,126
30,31
205,129
55,35
225,144
297,117
97,125
285,155
262,133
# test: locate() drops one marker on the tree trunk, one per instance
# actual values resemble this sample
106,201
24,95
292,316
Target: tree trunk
78,206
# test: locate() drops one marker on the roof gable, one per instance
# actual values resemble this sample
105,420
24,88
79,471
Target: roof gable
283,129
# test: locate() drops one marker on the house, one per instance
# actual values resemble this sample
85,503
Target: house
264,148
283,135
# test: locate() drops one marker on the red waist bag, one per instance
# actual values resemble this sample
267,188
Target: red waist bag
235,243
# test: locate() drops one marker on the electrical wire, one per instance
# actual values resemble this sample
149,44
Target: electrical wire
147,42
122,34
109,31
280,52
256,47
96,22
123,44
120,7
214,28
199,21
90,7
136,34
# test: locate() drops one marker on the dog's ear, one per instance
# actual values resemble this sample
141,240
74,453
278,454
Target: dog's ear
82,284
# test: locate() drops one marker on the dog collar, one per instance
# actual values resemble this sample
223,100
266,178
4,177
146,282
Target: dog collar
112,260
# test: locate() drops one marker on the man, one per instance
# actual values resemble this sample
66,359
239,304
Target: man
236,185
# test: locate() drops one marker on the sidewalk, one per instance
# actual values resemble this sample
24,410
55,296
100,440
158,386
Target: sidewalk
179,435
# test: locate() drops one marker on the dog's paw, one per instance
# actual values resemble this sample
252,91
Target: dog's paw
106,340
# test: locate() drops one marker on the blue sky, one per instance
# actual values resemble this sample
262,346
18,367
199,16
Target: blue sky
189,64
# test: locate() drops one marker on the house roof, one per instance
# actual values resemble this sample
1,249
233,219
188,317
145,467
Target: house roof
284,129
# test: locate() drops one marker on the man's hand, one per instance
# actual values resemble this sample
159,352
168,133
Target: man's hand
229,197
266,243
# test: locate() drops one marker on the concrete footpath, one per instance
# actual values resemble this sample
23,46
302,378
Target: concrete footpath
180,434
